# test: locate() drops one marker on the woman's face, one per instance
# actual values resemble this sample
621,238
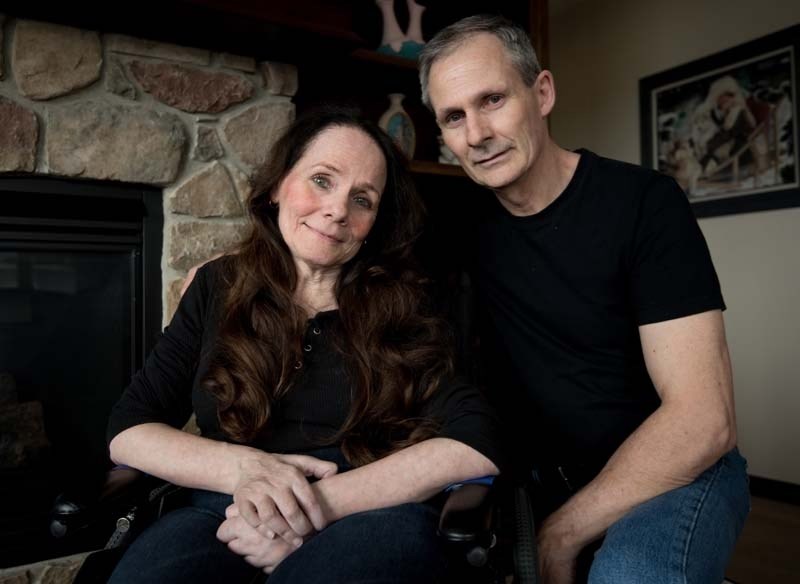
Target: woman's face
328,201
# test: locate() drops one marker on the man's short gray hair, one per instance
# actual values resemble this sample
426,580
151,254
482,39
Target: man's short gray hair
515,41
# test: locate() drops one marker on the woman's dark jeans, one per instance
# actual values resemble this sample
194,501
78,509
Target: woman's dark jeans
393,545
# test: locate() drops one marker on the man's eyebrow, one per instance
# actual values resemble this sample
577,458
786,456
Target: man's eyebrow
475,99
494,91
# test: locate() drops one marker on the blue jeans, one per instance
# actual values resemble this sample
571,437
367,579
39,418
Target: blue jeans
386,546
182,547
684,536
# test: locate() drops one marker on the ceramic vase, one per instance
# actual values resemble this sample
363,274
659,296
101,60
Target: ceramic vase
394,41
397,123
446,155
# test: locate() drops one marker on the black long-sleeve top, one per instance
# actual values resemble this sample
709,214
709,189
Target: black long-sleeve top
168,389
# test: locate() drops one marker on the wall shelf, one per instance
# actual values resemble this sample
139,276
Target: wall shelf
383,59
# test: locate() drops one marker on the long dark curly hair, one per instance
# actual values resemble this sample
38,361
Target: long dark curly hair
395,350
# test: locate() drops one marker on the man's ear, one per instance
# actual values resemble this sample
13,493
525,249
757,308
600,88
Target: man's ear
545,90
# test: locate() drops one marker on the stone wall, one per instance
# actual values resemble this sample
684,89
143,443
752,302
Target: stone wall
84,104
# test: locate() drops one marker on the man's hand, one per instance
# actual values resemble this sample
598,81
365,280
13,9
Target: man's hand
557,557
687,359
256,549
273,495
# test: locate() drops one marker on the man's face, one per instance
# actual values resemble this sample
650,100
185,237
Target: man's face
491,121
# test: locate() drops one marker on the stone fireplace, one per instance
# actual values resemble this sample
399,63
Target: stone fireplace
109,109
88,105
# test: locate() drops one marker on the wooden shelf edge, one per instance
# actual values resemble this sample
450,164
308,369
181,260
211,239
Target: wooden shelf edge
383,59
428,167
302,15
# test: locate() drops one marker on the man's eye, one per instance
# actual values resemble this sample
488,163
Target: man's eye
494,99
321,181
454,118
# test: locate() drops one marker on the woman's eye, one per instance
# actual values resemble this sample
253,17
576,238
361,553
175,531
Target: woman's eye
321,181
362,201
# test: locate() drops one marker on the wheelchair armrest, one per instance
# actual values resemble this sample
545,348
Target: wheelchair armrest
121,487
467,513
466,523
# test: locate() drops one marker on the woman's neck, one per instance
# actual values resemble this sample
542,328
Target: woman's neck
315,290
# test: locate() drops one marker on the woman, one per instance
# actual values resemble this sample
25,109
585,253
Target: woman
308,353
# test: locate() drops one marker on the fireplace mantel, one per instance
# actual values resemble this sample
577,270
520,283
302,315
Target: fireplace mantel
287,31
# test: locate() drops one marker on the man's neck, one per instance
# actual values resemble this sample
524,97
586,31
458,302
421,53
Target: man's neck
547,179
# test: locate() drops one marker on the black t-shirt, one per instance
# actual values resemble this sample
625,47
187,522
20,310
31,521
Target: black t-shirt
563,293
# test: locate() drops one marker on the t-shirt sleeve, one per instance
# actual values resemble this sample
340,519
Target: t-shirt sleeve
672,274
464,414
162,390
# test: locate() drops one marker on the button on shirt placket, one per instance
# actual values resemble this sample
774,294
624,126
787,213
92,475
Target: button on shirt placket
314,330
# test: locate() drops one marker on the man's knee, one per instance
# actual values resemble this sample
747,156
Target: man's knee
687,534
628,560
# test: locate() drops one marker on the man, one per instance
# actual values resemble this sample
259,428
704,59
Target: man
604,303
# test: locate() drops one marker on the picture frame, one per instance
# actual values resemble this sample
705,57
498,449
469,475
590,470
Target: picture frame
726,126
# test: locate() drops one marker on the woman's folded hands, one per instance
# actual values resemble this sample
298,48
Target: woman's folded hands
274,507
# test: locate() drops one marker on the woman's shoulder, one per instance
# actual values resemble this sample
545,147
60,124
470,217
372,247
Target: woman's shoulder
205,280
211,272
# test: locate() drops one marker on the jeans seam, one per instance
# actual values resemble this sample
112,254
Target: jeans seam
695,518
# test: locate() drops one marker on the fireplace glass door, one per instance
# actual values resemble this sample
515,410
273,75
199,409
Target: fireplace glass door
72,333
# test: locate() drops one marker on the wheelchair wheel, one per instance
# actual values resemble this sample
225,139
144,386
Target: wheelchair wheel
525,558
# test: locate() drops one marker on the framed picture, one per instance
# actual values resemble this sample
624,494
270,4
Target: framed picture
726,126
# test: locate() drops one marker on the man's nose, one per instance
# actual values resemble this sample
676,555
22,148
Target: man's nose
478,130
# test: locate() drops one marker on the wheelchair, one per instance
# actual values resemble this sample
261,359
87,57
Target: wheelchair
488,530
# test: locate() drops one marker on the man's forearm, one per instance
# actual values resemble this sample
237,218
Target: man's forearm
688,362
415,473
669,450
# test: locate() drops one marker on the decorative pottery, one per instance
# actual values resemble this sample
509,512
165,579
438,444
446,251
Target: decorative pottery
394,41
446,155
397,123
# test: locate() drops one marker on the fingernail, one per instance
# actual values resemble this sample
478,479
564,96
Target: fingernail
271,534
297,542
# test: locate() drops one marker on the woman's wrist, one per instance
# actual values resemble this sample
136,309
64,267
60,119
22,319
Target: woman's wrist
323,491
236,458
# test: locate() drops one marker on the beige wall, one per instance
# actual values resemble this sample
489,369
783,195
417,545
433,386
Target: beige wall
599,50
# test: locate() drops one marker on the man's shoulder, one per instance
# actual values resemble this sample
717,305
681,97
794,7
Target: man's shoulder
621,179
613,169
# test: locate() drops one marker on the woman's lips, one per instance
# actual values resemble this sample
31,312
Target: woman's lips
323,234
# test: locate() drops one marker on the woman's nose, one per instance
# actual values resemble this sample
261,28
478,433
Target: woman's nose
336,207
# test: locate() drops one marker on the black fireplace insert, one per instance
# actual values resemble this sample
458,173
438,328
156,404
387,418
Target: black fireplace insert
80,307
